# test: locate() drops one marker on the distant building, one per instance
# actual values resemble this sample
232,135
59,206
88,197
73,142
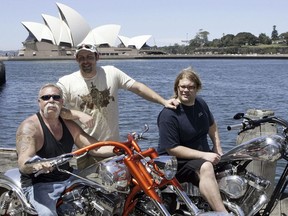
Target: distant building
60,36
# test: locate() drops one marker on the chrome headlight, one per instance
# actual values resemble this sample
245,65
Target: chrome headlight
167,165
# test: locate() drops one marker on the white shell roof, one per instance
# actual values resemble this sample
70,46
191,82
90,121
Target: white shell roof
40,31
137,41
105,34
124,40
59,29
78,26
71,28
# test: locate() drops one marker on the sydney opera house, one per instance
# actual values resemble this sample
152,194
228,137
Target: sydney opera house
59,37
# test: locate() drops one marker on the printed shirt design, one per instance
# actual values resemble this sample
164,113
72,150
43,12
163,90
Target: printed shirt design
96,99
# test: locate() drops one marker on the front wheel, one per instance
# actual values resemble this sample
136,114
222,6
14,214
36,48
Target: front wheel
146,207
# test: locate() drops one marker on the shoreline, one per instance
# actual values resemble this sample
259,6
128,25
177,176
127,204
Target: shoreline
136,57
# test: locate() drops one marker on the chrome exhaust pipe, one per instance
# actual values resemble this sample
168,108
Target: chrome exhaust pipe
234,208
263,200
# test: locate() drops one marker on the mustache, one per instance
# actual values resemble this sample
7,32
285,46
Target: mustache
51,105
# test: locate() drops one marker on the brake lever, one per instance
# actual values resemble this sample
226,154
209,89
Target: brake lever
250,125
246,129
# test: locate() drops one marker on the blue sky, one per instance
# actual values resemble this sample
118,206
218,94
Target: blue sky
168,21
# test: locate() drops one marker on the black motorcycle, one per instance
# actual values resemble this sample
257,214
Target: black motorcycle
243,192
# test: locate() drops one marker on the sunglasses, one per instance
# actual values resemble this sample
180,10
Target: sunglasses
87,46
47,97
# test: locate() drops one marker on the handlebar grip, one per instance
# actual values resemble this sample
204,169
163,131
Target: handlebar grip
236,126
39,173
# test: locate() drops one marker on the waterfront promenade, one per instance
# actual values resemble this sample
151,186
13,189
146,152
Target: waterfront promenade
169,56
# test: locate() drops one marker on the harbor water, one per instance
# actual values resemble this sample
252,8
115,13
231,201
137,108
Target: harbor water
229,86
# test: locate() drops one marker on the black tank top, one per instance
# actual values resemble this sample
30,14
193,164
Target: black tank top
51,148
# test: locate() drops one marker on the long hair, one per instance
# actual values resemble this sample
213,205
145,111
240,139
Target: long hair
189,74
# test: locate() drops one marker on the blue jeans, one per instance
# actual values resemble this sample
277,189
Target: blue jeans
44,196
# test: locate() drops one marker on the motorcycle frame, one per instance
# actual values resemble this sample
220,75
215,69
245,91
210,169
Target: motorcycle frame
283,181
142,180
278,191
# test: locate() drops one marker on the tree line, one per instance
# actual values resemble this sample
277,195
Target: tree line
241,43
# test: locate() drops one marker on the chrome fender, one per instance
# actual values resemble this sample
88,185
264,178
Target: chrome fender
10,180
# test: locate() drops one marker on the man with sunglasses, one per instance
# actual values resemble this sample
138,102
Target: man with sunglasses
47,135
94,90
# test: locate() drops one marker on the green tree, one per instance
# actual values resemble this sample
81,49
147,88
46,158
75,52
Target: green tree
227,40
274,34
245,38
215,43
200,39
204,36
196,42
264,39
284,37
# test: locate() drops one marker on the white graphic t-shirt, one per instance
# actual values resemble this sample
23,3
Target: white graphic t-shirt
98,97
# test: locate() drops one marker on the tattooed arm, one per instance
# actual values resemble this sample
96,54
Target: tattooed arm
28,141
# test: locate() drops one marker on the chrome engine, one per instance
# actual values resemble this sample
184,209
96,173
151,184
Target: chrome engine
242,193
105,193
85,200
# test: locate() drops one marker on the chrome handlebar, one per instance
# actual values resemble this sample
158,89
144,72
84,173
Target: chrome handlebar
248,123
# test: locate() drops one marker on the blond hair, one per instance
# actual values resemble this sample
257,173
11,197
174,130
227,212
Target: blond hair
189,74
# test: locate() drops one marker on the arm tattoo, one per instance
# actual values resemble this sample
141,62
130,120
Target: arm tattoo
25,137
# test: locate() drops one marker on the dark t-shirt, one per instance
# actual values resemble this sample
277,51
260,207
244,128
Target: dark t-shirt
187,126
51,148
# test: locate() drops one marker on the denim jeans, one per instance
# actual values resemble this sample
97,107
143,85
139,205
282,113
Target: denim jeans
44,196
